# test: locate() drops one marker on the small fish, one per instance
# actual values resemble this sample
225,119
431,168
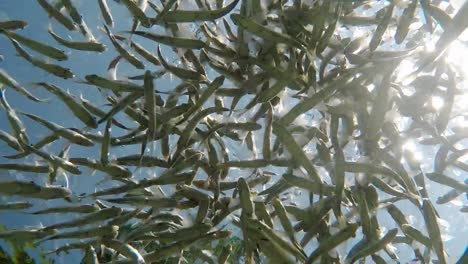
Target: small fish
432,226
90,256
143,161
69,134
7,80
205,95
182,73
274,237
440,16
82,209
100,231
332,242
171,41
113,170
122,104
54,69
296,151
26,235
138,11
186,233
77,109
10,141
150,105
125,249
405,22
19,130
146,201
78,18
57,15
445,180
13,24
285,222
32,190
192,193
371,247
145,53
318,97
54,160
41,143
266,33
15,206
42,48
381,28
449,196
126,216
105,12
95,216
68,247
122,51
85,46
114,85
95,110
106,143
415,234
189,16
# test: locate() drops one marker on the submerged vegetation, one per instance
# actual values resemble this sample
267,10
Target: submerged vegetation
245,131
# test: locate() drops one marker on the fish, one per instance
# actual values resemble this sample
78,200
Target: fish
40,47
69,134
372,247
332,242
78,19
32,190
295,150
189,16
100,231
11,141
82,209
113,170
381,28
458,24
54,69
90,256
15,206
13,24
405,21
114,85
6,79
122,51
125,249
76,108
105,13
25,235
57,15
138,12
171,41
181,72
19,130
54,160
78,45
94,216
430,218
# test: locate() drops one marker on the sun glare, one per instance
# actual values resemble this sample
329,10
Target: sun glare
437,102
456,55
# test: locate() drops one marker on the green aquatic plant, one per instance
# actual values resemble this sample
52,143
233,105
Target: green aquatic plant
240,131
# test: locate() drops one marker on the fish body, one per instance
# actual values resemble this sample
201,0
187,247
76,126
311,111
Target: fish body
40,47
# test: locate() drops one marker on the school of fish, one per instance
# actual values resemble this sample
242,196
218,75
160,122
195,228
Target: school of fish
273,99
